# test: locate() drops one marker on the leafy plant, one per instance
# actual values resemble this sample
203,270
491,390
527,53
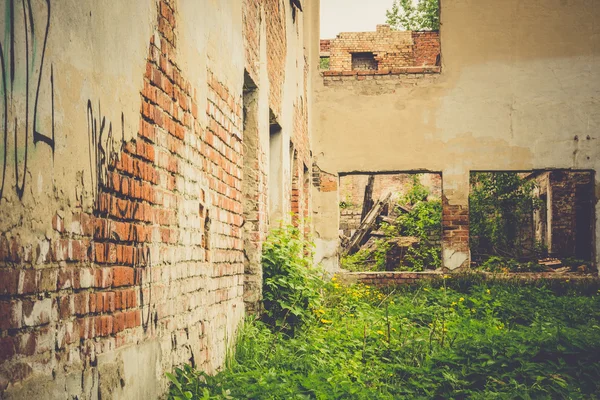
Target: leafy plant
290,282
423,221
453,338
500,204
504,264
405,15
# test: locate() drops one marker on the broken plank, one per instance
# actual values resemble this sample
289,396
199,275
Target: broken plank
366,225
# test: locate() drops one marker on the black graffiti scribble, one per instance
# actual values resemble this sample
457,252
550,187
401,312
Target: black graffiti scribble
142,259
103,153
103,149
12,91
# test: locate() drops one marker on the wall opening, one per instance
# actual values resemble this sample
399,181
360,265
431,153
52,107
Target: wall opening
275,170
539,220
390,221
364,61
295,188
253,197
306,178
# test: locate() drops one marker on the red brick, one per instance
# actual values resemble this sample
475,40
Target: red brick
122,276
10,315
130,319
9,281
65,306
29,278
119,322
81,303
7,348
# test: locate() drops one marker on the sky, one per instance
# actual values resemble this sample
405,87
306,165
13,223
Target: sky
351,16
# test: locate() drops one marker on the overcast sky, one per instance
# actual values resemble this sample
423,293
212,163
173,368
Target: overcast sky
351,16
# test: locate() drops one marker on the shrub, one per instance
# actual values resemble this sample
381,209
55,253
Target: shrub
499,204
290,282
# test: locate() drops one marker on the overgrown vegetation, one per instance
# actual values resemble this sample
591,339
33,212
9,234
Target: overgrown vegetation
291,285
501,205
324,62
422,15
422,221
455,338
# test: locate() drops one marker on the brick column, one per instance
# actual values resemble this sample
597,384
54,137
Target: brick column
455,223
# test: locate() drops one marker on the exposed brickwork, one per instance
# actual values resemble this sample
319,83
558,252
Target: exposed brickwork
567,223
324,181
255,193
277,51
325,47
300,196
393,51
426,48
160,255
455,228
251,25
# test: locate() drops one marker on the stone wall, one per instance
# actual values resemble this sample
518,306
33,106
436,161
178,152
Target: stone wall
130,239
389,49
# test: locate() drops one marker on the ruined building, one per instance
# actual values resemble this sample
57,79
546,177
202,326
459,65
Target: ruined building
564,220
146,148
148,145
515,89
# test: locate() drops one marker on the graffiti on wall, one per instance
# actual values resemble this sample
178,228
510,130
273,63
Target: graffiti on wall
22,54
103,147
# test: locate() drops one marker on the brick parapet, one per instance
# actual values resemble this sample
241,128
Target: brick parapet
391,50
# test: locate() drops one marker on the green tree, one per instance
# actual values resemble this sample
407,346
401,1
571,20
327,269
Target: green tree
419,15
499,203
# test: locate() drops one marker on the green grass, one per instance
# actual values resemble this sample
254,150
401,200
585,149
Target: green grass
453,339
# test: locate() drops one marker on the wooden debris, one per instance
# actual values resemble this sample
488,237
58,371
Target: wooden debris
368,198
550,262
367,225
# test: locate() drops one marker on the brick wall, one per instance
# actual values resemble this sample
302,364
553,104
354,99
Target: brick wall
392,50
325,46
276,52
324,181
154,259
251,25
159,256
570,216
455,229
426,48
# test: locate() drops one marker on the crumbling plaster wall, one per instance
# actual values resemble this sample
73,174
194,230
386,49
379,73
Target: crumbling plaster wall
122,253
518,91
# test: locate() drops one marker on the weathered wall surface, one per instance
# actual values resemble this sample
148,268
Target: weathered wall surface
529,101
122,205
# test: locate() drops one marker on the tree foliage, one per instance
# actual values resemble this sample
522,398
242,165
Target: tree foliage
419,15
500,204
